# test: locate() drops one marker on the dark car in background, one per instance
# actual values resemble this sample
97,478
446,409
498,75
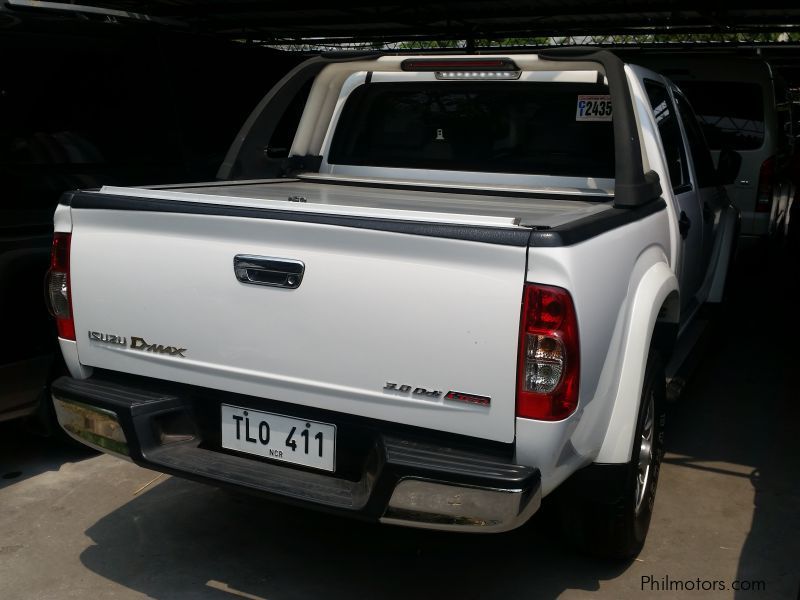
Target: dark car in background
82,108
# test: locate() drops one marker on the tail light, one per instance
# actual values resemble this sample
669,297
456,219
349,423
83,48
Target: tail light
59,297
549,364
766,180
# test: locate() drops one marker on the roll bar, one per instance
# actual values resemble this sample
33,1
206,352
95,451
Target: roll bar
632,187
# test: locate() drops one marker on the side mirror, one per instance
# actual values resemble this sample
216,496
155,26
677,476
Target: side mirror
728,166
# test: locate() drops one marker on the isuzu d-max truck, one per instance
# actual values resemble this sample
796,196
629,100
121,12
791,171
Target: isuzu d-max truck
449,293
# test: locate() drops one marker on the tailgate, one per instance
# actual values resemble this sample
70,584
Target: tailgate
390,316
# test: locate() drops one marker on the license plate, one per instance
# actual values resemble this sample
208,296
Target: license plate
296,441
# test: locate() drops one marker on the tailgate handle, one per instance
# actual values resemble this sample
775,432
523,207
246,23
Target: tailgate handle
268,270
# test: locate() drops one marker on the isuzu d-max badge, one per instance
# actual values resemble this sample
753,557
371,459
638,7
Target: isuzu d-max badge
107,338
138,343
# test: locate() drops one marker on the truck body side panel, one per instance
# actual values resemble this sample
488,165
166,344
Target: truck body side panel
604,275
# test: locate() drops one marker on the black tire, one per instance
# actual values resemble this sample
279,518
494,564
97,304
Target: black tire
603,512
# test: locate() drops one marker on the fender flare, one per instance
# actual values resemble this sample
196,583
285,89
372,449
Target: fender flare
655,286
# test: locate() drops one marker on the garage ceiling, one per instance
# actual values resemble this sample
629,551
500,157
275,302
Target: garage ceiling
281,21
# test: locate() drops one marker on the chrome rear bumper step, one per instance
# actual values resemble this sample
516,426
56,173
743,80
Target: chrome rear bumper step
418,480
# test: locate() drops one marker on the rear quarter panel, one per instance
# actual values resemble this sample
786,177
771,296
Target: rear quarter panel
605,275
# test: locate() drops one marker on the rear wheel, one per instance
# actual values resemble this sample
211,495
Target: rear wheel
609,507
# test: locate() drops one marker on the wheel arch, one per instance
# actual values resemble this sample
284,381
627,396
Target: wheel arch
653,321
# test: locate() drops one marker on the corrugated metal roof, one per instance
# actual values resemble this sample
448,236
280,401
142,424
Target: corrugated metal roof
270,20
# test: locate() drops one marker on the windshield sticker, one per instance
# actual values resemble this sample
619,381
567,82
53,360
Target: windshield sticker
595,107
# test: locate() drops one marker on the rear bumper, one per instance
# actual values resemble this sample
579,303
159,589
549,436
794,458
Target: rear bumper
416,478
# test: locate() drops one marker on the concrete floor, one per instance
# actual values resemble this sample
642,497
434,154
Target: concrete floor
77,525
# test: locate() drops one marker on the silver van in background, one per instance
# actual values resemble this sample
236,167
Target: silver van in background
744,110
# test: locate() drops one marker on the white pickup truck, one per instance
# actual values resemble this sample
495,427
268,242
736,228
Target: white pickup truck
449,292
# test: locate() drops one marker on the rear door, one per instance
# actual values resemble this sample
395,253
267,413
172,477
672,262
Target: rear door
690,215
711,196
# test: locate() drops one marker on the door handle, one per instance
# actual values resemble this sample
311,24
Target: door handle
268,270
684,223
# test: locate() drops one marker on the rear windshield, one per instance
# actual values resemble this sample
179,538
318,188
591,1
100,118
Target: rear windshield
499,127
731,113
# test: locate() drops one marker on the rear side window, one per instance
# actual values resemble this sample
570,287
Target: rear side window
731,113
500,127
667,120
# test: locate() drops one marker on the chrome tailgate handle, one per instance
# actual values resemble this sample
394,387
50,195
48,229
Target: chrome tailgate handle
268,270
